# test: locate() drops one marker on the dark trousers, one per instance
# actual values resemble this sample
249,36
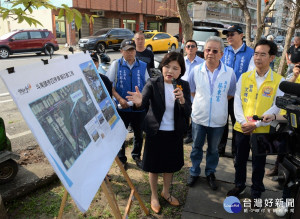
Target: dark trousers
222,145
279,159
189,130
136,120
242,143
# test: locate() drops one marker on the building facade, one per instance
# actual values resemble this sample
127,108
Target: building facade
225,12
280,17
135,15
228,13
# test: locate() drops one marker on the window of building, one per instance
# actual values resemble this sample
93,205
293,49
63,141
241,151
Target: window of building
129,24
60,29
155,26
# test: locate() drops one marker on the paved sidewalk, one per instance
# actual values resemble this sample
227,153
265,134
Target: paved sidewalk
202,202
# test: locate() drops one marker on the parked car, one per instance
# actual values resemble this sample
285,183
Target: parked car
177,36
106,38
160,41
27,40
201,34
279,39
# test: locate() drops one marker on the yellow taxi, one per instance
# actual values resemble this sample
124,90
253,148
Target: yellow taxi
160,41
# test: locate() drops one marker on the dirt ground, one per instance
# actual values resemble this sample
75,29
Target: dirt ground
32,154
45,202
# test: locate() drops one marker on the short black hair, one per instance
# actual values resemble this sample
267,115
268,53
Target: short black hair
271,44
173,56
191,41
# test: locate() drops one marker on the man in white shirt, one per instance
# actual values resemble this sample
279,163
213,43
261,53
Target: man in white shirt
255,94
191,61
212,84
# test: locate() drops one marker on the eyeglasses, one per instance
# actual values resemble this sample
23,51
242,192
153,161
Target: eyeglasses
214,51
230,34
190,46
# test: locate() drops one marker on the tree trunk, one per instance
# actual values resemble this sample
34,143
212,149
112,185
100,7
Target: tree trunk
248,27
258,22
260,19
186,22
290,33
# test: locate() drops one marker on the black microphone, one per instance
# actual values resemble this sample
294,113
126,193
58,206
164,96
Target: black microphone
174,82
290,88
255,117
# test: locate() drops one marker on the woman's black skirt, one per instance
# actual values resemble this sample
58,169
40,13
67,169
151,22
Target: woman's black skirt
163,153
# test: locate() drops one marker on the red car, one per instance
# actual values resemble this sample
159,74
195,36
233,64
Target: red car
27,41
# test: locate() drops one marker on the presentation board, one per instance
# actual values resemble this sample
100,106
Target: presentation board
69,111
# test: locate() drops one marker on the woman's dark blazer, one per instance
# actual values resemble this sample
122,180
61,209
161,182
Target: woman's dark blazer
154,100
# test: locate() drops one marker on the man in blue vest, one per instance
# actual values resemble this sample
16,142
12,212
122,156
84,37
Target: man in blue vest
237,56
126,73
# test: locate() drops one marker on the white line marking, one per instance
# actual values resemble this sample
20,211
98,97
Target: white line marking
18,135
5,101
4,94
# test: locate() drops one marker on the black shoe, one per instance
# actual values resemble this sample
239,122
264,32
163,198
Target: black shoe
221,153
211,179
188,140
236,191
192,180
138,162
125,165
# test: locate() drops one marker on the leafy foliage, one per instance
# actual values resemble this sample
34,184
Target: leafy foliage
21,10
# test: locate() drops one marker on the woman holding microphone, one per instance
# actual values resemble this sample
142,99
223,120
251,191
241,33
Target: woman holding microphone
168,101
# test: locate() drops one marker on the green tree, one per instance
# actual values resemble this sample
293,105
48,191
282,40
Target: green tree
22,10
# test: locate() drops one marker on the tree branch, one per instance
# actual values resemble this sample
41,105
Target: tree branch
241,6
267,10
29,5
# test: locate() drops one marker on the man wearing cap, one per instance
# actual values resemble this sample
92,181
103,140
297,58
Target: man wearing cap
126,73
237,56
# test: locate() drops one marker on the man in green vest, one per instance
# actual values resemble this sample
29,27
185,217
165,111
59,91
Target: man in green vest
255,94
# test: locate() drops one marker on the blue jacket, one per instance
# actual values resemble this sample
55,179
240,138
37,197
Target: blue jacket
239,61
127,79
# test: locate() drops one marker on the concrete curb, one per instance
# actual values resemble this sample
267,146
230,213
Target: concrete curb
30,178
